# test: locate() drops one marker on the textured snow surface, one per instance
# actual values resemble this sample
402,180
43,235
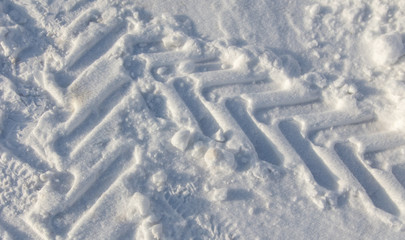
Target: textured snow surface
230,119
388,49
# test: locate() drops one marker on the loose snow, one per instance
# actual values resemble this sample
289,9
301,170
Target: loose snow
229,119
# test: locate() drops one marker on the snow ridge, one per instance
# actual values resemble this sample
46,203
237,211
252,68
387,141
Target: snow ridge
151,132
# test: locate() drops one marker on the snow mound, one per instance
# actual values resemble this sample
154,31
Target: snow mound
181,139
217,157
387,49
142,203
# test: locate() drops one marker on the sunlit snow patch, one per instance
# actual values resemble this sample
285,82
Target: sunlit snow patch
387,49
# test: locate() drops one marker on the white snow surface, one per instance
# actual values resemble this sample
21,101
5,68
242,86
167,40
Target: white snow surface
229,119
388,48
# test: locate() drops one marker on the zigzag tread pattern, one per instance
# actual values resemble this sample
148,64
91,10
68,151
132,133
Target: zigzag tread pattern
195,84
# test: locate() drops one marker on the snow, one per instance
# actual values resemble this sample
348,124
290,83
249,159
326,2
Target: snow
230,119
214,158
142,203
181,139
387,49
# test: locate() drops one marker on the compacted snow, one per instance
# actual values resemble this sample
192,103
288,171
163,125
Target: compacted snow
230,119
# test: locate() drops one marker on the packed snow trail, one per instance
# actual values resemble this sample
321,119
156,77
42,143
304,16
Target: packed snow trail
121,124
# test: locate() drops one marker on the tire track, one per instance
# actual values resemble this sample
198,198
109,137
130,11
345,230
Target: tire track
188,83
310,124
206,122
353,128
92,160
381,187
95,34
373,188
264,148
322,175
367,147
93,149
102,167
296,103
18,182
